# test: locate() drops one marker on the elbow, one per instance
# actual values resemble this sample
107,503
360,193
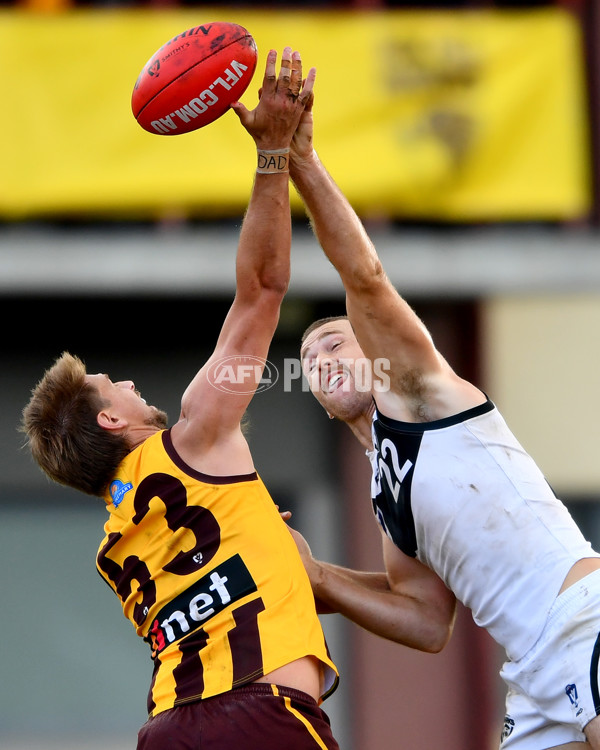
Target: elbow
431,638
438,640
274,279
368,277
439,631
271,288
272,296
277,287
428,633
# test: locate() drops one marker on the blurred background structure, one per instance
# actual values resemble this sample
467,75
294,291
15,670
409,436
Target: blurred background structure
465,134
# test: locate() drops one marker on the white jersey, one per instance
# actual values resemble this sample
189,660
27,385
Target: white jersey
461,495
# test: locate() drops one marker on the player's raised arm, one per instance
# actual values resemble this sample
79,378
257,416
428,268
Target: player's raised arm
262,266
380,317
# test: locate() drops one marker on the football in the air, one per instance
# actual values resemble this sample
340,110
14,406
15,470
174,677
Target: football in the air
193,78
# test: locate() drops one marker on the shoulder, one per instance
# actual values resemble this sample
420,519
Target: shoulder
420,398
216,452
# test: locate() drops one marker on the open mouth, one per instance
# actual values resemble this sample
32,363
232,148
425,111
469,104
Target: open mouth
335,380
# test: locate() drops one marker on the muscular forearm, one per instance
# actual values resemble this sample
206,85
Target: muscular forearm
265,238
335,223
368,579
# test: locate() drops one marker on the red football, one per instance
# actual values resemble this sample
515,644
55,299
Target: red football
192,79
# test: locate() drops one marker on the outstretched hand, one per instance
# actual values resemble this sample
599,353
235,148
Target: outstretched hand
282,102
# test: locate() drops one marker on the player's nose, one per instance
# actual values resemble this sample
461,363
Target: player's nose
127,385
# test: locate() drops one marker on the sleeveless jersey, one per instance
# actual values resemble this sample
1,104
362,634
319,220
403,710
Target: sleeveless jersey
209,575
462,496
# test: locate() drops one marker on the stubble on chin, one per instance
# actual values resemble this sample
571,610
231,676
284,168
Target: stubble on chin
158,419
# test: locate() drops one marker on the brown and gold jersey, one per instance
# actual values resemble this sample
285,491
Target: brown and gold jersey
208,574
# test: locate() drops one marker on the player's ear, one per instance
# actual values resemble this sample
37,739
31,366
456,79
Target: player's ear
109,421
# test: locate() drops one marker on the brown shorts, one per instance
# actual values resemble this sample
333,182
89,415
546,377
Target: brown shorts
252,717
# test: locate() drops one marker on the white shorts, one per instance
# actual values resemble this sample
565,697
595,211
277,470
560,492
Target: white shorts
553,691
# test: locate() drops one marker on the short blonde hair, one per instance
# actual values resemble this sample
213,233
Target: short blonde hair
63,434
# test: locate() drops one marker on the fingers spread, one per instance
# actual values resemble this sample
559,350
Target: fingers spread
289,81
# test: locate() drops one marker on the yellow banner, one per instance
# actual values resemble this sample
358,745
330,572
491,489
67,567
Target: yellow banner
426,114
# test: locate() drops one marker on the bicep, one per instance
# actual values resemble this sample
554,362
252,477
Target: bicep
410,577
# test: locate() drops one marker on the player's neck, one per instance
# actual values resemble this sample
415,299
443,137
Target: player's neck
139,434
361,427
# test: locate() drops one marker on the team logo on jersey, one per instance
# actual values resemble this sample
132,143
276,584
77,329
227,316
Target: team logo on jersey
118,490
211,594
571,691
507,730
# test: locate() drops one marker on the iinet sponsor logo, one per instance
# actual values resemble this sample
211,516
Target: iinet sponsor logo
205,99
245,374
